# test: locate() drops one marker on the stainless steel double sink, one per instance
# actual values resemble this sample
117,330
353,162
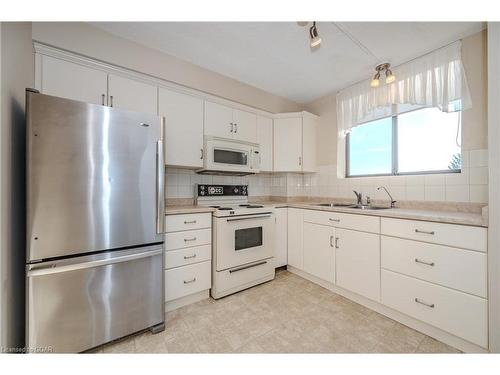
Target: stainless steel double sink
354,206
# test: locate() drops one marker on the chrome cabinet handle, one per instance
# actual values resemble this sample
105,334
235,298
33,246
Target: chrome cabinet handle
103,98
190,222
336,220
336,242
189,239
190,256
235,127
331,241
422,262
111,100
190,281
424,231
431,305
300,160
232,127
201,153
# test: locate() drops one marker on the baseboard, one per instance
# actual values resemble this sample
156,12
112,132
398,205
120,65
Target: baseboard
418,325
187,300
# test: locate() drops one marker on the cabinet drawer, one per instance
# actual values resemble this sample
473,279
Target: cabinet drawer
190,255
175,223
362,223
458,313
183,281
189,238
463,236
464,270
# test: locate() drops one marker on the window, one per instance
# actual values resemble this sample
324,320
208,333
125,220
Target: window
421,141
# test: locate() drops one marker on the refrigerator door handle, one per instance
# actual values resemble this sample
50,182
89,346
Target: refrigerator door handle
160,167
91,264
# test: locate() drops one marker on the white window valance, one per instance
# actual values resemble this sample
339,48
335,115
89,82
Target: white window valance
436,79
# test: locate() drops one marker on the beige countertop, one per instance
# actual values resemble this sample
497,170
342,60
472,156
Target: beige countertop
435,215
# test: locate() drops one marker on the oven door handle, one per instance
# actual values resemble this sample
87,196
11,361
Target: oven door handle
250,217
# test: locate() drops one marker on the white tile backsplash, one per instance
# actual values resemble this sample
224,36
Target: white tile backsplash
471,185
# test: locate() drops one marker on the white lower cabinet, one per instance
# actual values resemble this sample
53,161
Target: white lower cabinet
183,281
461,314
188,254
357,260
281,237
319,251
295,238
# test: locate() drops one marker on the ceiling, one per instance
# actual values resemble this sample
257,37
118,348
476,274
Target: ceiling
276,57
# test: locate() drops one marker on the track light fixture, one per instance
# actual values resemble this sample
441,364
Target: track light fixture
382,68
315,38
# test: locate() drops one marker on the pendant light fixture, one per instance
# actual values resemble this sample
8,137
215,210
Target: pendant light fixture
315,38
382,68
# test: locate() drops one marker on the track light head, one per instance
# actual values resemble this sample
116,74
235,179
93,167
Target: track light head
315,38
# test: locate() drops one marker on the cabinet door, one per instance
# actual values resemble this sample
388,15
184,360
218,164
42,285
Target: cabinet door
357,259
295,249
265,140
218,120
319,251
132,95
245,126
309,125
184,128
281,237
288,144
73,81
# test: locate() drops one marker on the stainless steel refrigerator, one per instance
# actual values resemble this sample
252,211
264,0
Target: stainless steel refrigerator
95,217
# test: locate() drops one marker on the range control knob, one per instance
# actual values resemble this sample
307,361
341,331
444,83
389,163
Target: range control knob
235,190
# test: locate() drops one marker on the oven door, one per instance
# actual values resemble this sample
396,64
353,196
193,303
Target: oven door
243,239
228,156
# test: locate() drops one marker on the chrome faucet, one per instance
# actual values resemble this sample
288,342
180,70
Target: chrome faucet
393,202
359,196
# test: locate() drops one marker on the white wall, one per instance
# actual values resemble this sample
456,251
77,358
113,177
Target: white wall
16,74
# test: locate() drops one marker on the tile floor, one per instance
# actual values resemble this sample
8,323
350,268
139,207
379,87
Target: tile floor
286,315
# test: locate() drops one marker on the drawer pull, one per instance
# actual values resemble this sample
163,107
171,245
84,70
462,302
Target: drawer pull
423,262
336,220
190,256
431,305
424,231
189,239
190,281
190,222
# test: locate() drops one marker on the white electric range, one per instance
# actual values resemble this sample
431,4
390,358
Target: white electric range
242,237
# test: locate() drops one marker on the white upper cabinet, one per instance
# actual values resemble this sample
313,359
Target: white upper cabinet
319,251
265,140
245,126
218,120
288,144
226,122
309,125
132,95
184,128
295,142
72,81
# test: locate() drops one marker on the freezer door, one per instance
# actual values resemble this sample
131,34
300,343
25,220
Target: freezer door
95,177
83,302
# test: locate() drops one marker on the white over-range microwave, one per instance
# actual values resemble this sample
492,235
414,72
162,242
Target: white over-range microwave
226,156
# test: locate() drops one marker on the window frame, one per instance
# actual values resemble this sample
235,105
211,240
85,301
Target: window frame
394,155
